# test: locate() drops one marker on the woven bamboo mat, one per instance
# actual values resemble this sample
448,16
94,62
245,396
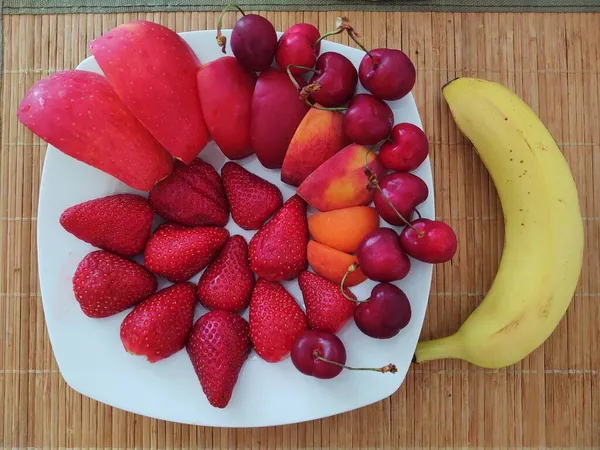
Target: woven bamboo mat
550,400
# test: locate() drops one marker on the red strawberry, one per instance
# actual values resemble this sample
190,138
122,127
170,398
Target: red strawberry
159,326
228,281
192,195
105,284
218,347
276,320
177,253
119,223
278,249
327,309
252,200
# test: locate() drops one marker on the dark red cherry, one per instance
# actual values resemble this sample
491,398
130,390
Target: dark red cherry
368,120
334,81
385,313
381,257
433,241
405,191
322,355
387,74
297,47
253,42
406,149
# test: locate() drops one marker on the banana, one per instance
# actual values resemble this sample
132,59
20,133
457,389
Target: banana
544,237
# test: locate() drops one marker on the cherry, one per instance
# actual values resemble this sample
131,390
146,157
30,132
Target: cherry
388,74
397,195
368,120
385,313
298,47
406,149
322,355
381,257
253,40
430,241
334,81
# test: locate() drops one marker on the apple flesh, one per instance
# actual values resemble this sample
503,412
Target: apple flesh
79,113
153,70
226,90
318,137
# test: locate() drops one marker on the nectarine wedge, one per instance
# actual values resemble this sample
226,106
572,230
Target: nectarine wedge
343,229
318,137
341,182
332,264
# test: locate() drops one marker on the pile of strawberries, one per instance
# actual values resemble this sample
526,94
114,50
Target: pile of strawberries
196,203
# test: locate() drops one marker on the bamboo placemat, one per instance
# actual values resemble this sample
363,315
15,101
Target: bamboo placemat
550,400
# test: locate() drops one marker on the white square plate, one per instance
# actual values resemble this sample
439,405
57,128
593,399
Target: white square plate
89,351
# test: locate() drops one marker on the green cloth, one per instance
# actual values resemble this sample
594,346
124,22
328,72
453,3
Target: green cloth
104,6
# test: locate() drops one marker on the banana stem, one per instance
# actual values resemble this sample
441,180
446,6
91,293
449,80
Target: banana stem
443,348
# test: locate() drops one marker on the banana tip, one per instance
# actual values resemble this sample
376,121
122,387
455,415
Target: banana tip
449,82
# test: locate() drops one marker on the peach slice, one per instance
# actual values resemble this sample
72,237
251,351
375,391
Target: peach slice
332,264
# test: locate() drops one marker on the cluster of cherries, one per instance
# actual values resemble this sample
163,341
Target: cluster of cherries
382,255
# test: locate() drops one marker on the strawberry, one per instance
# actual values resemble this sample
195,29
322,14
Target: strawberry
228,281
119,223
276,320
178,253
159,326
278,249
327,309
252,200
218,346
105,284
192,195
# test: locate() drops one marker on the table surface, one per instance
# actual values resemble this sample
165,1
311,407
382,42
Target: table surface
549,400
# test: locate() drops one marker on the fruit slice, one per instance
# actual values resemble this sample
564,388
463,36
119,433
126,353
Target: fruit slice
332,264
218,346
159,325
154,71
81,115
278,249
177,253
343,229
340,182
252,200
276,113
119,223
276,320
105,284
226,89
326,308
192,195
228,281
318,137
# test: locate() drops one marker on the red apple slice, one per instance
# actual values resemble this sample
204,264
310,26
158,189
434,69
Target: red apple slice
277,110
226,89
81,115
154,71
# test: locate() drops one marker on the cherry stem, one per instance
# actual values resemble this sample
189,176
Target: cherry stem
391,368
418,214
373,183
343,24
351,269
222,40
322,108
